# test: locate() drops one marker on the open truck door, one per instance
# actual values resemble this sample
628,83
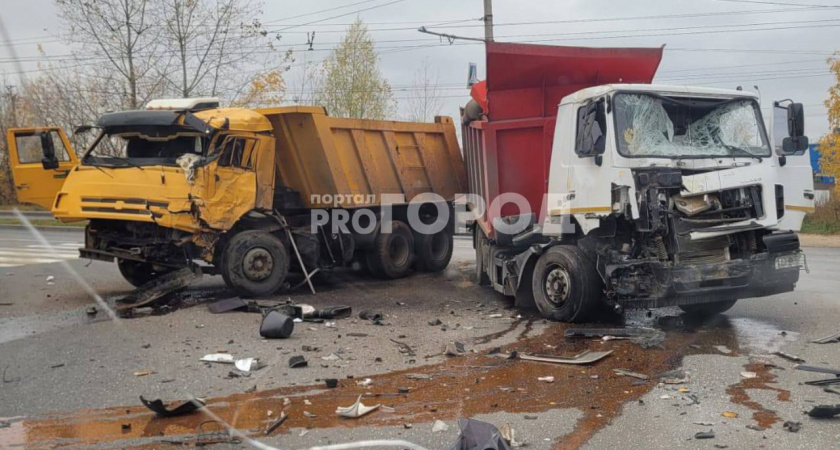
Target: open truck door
40,159
795,189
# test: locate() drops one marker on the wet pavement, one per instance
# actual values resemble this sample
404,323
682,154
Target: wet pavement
70,379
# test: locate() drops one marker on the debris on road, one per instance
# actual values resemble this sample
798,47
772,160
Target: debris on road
705,435
645,337
478,435
248,364
454,349
364,383
835,380
509,435
297,361
790,357
730,414
831,391
227,305
331,383
331,357
439,426
276,325
371,315
356,409
404,348
628,373
213,432
282,418
824,411
723,349
583,358
157,289
418,376
791,426
828,339
225,358
184,408
91,310
749,375
548,379
143,373
435,322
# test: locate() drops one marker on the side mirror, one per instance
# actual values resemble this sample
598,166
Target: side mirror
82,129
49,161
796,143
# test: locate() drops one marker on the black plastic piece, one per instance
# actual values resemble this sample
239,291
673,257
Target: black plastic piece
297,361
276,325
781,242
184,408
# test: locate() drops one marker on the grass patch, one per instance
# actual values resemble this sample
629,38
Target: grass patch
44,223
21,208
812,225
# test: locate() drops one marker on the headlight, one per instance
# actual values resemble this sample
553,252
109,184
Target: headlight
788,261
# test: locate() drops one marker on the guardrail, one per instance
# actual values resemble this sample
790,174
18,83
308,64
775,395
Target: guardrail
27,214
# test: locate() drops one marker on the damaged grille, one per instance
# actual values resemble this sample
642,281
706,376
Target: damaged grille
131,206
704,251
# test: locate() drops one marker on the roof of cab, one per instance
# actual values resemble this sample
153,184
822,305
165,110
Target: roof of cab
239,119
596,91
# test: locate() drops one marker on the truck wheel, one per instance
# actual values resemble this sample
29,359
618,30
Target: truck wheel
565,284
393,253
433,250
255,263
139,273
480,243
708,309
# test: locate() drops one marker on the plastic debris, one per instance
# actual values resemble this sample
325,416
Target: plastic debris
548,379
297,362
435,322
227,305
142,373
749,375
730,414
184,408
356,409
586,357
494,316
331,383
364,383
373,316
827,339
476,435
309,415
791,426
439,426
824,411
705,435
276,325
723,349
790,357
331,357
454,349
247,364
509,435
387,409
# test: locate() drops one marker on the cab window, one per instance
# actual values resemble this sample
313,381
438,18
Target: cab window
30,152
238,152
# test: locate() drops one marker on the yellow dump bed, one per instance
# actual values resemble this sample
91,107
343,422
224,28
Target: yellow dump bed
359,160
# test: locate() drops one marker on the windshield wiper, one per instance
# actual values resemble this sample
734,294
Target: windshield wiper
127,161
741,152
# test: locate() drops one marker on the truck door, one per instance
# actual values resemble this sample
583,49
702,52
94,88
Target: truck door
795,184
40,159
232,182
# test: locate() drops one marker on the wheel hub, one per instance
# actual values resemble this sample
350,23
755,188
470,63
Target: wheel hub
557,285
257,264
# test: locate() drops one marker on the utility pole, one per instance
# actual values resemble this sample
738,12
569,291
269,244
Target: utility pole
488,20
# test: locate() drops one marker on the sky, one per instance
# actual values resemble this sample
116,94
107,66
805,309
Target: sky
778,45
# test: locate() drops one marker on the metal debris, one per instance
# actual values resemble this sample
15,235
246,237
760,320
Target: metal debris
454,349
297,362
628,373
282,418
158,289
212,432
824,411
790,357
586,357
226,305
827,339
355,410
184,408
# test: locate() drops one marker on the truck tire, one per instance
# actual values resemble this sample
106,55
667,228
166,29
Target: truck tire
480,244
393,253
139,273
701,310
565,284
255,263
434,251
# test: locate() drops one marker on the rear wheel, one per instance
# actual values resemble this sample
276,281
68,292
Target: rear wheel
708,309
565,284
255,263
139,273
393,253
434,251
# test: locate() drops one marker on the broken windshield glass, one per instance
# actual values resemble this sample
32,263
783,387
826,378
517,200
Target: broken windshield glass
655,126
137,149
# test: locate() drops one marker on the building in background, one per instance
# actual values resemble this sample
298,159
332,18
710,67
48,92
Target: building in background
823,184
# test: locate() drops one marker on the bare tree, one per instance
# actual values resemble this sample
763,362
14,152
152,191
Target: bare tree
120,33
352,84
424,100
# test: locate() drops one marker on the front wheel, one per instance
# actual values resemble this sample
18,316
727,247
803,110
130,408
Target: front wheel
255,263
565,284
708,309
139,273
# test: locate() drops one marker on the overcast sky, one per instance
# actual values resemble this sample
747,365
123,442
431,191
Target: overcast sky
709,45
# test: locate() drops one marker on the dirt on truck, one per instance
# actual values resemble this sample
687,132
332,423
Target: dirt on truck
250,193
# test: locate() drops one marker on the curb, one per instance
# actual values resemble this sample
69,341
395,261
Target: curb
57,229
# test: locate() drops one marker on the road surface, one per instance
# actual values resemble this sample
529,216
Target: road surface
74,380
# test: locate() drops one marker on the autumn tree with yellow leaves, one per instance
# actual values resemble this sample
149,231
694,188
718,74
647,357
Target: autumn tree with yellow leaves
830,143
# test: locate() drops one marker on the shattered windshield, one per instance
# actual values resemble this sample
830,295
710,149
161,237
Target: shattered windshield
656,126
138,149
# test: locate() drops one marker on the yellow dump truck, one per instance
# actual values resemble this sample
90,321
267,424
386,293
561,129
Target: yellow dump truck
249,194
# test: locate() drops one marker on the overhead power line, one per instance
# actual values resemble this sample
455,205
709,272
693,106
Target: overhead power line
342,15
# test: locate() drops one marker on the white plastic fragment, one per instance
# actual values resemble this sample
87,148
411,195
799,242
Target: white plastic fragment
548,379
365,382
439,426
247,364
355,410
218,357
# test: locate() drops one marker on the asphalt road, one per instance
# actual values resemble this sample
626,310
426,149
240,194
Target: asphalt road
74,380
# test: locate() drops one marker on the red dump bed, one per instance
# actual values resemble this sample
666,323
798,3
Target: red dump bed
510,148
